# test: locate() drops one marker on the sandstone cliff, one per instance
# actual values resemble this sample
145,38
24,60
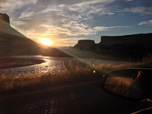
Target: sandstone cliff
4,18
136,39
85,45
131,47
13,42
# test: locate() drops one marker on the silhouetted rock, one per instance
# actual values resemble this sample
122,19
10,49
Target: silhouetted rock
136,39
131,47
5,18
13,42
85,45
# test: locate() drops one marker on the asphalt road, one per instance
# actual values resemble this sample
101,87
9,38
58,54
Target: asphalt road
83,98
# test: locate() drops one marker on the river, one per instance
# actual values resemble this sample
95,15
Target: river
51,64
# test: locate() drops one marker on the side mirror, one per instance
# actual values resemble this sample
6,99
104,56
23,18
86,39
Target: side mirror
128,83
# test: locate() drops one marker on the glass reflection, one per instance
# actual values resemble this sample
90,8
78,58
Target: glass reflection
126,86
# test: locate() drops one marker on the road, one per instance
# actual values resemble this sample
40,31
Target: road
83,98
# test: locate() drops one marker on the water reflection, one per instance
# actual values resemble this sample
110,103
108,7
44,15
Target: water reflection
38,69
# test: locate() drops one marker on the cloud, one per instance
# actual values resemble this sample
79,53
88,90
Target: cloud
8,6
64,19
61,21
141,10
87,8
26,14
102,28
129,0
76,29
146,23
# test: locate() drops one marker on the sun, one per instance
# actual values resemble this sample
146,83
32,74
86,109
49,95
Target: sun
46,41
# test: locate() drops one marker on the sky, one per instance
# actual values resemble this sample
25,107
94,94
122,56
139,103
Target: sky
67,21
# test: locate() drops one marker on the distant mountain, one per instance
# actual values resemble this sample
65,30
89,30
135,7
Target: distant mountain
13,42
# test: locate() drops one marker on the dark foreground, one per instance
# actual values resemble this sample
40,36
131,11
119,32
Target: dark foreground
84,98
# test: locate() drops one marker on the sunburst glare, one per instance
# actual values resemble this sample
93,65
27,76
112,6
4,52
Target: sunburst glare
46,41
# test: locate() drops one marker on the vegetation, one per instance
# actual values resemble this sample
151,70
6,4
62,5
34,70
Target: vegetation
145,63
72,74
30,82
77,53
132,52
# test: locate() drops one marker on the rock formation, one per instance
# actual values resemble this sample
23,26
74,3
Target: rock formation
133,47
13,42
85,45
136,39
4,18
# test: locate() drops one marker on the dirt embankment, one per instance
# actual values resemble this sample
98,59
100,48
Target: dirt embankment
18,62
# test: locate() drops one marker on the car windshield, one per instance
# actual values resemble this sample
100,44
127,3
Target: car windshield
54,53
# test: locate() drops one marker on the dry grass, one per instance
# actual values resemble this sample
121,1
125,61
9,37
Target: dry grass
145,63
73,73
30,82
